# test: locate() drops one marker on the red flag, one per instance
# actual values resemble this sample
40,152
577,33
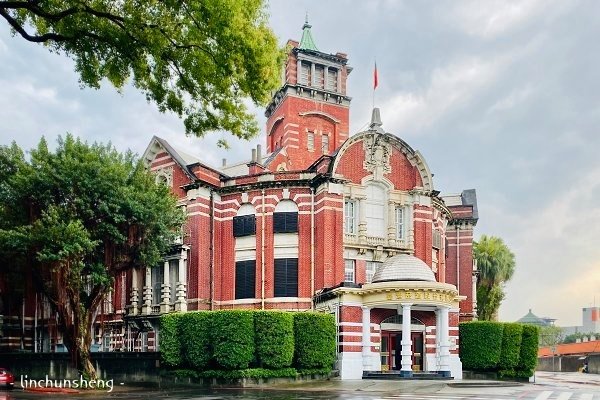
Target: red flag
375,78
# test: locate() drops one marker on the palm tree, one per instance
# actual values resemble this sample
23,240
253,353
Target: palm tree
496,265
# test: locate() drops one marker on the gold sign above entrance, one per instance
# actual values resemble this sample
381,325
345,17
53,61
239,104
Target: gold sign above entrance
419,295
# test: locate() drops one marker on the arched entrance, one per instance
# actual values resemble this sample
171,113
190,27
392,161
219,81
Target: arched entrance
391,343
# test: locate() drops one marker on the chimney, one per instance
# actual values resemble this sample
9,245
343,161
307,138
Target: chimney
259,153
253,155
224,162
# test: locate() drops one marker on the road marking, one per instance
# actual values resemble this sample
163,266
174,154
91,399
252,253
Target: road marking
564,396
544,395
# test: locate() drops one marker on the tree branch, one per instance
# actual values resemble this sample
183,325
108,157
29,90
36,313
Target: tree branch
35,39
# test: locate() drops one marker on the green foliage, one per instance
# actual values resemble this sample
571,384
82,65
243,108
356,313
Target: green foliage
511,346
250,373
232,338
314,335
274,339
170,342
76,218
195,335
480,345
550,335
529,352
198,59
572,338
496,265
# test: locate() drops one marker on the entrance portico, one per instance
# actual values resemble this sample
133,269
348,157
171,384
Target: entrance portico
396,323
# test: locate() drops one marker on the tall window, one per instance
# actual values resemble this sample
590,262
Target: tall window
436,239
245,279
349,270
332,79
375,207
244,224
319,76
310,141
400,223
305,73
173,278
370,270
325,144
157,281
286,277
350,217
285,217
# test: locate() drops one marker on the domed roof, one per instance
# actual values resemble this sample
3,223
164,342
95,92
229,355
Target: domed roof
403,267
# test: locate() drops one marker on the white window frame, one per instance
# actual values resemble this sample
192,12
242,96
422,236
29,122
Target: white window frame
350,271
310,141
350,217
325,144
376,210
400,222
370,269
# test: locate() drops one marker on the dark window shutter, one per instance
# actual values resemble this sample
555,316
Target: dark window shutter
286,277
285,222
244,225
245,279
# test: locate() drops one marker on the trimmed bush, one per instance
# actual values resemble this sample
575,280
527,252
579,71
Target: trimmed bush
274,339
511,347
250,373
480,345
195,328
232,338
314,335
170,344
529,352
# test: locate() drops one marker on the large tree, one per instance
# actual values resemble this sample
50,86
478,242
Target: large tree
73,219
200,59
496,265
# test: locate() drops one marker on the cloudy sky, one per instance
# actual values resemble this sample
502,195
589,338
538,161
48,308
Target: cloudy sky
498,96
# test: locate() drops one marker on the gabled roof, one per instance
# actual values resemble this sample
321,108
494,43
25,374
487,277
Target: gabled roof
582,348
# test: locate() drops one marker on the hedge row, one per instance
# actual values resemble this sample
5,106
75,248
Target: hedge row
507,348
236,340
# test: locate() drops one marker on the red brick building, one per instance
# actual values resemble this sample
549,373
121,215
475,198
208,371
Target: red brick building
328,220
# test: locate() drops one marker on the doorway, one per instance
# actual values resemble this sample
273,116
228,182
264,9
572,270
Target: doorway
391,348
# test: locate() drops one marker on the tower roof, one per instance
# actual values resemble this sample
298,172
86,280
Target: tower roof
307,42
403,267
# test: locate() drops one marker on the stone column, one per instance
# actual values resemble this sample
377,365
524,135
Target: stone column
362,221
147,307
406,369
366,338
181,302
392,224
325,77
438,329
133,298
313,81
444,351
298,73
165,305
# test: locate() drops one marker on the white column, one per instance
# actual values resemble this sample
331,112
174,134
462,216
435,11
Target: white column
147,307
181,302
366,338
438,329
444,351
362,221
406,362
392,224
165,305
133,299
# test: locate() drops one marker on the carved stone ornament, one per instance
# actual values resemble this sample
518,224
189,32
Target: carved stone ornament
377,155
164,175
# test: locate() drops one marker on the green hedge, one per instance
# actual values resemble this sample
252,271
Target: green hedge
170,343
249,373
195,333
529,351
507,348
274,339
232,338
511,346
480,345
314,335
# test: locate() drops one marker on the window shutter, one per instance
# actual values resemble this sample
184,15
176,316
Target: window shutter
279,222
285,222
292,277
238,226
250,224
280,277
245,279
286,277
292,222
244,225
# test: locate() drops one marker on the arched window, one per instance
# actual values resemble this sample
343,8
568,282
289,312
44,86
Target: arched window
375,210
285,217
244,224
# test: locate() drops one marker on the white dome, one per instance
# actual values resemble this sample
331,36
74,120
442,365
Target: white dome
403,267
